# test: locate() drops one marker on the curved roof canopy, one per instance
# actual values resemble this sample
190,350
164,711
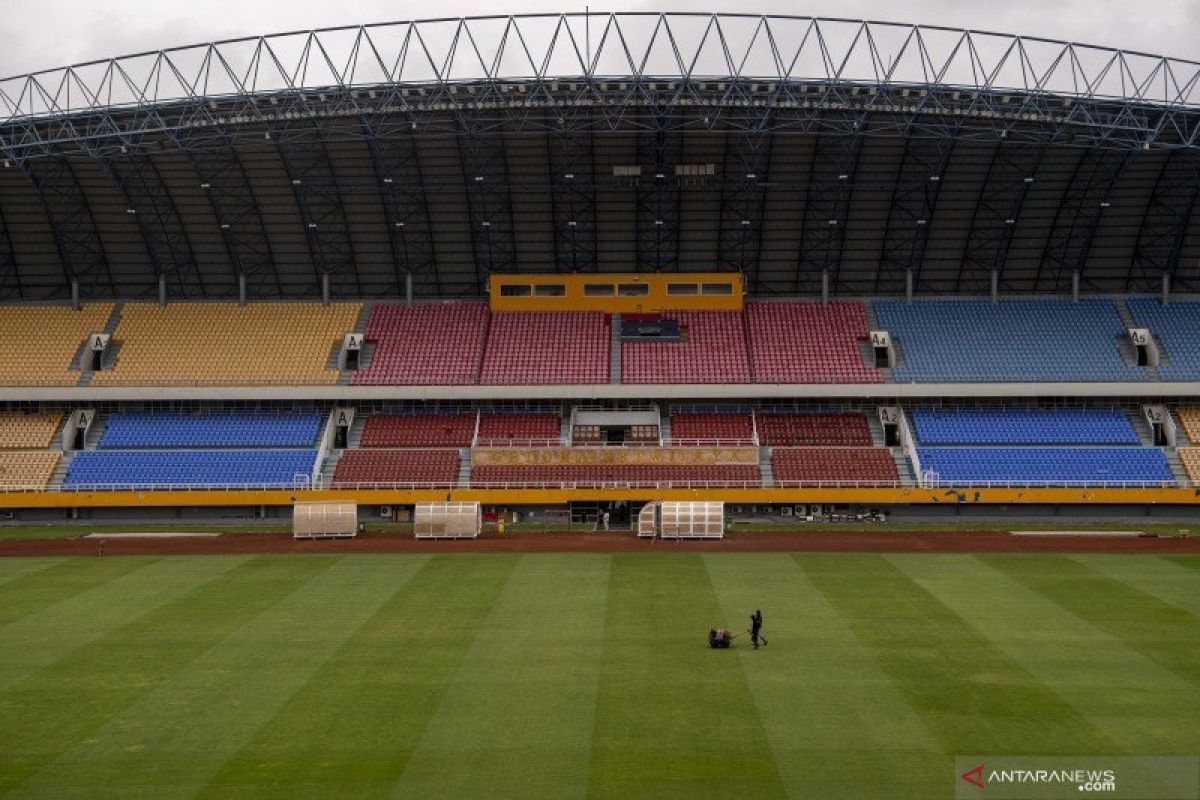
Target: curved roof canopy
437,151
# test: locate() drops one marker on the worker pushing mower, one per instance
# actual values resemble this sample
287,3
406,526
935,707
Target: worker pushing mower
722,638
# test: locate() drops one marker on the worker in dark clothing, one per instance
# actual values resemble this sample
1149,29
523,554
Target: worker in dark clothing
756,628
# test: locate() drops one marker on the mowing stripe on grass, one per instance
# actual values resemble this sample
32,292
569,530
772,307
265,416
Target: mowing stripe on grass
86,616
1166,580
13,568
192,723
1189,562
350,729
817,691
1116,688
35,591
1115,607
673,718
520,710
57,707
973,696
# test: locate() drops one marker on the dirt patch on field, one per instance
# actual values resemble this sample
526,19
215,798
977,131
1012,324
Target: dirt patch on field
825,542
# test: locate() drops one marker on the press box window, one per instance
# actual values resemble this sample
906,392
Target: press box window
598,290
515,290
550,290
682,289
725,289
634,289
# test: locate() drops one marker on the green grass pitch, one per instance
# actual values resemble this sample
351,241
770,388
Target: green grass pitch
582,675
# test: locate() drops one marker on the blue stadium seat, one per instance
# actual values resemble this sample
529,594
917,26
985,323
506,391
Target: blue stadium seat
1177,327
1061,426
166,468
1059,466
1030,341
173,429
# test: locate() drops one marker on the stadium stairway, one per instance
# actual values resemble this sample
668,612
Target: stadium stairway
96,432
664,425
1171,454
876,429
355,434
1126,347
1141,427
765,468
464,468
59,476
110,357
904,468
364,355
329,467
614,372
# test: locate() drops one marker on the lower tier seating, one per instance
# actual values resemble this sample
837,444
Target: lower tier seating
1190,458
813,430
419,430
504,428
28,469
397,466
833,465
1023,426
711,426
174,429
717,474
1057,466
167,468
1189,418
20,431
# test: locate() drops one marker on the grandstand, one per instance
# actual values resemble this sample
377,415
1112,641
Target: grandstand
772,291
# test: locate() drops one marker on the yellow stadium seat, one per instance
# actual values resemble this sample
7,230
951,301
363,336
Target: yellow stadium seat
228,344
38,344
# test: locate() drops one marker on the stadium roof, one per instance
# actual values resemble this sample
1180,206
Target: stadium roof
783,147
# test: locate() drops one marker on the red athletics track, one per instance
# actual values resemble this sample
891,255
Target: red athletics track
849,542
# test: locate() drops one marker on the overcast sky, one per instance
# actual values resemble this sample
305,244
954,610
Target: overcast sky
49,33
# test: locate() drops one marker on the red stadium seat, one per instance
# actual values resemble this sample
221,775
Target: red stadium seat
814,430
547,348
397,466
419,430
713,350
817,465
427,344
809,342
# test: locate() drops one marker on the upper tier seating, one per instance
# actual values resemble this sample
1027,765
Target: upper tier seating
167,468
687,427
813,465
934,426
427,344
712,350
813,430
1059,466
809,342
969,341
38,344
1190,458
517,428
28,469
1177,328
227,344
550,347
174,429
419,430
712,474
1189,418
20,431
438,467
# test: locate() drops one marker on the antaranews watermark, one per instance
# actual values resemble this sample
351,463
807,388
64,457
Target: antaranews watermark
1050,777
